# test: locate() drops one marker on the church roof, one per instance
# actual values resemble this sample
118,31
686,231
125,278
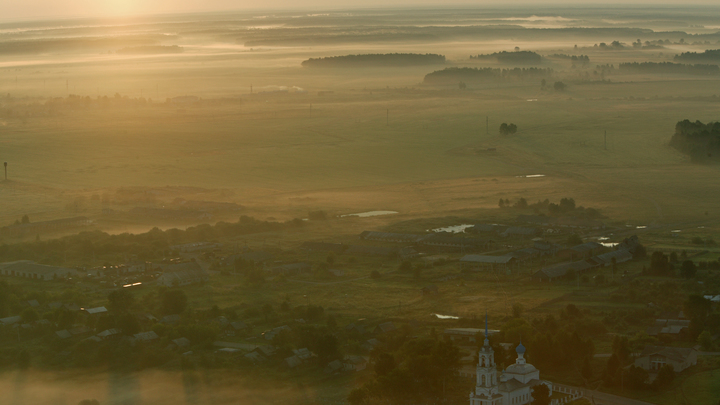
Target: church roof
520,349
520,369
511,385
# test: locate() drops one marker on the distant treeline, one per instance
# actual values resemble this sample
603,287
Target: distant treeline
582,59
669,67
378,59
699,141
77,44
454,75
710,55
151,49
524,57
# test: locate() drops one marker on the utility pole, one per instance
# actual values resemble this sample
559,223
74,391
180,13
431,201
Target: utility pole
5,170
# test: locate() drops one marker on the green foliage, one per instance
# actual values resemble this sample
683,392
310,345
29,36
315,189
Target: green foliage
665,376
120,301
29,315
173,302
417,369
541,395
688,269
574,240
517,310
559,86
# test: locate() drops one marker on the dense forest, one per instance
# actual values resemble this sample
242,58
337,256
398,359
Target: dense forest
710,55
454,75
699,141
524,57
669,67
387,59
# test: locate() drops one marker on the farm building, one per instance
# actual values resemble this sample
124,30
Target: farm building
337,248
357,250
606,259
391,237
182,274
583,251
29,269
45,226
522,232
456,243
562,269
483,262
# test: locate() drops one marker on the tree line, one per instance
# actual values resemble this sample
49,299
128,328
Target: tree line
377,59
524,57
669,67
454,75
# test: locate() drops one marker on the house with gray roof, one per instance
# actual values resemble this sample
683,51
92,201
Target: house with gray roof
653,358
180,274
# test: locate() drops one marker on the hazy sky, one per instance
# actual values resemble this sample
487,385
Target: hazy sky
32,9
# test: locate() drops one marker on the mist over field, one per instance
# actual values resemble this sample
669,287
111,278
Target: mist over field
257,145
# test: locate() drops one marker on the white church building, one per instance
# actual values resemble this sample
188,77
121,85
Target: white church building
515,384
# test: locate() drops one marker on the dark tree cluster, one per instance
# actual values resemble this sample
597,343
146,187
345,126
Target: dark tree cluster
508,129
582,60
410,371
147,246
520,57
710,55
699,141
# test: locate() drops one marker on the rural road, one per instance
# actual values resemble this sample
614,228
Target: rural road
601,398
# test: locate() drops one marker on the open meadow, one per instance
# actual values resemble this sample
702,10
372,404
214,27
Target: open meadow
142,131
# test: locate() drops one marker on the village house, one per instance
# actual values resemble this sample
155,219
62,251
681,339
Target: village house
180,274
384,327
653,358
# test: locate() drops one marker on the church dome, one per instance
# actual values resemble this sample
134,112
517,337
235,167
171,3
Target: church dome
520,349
